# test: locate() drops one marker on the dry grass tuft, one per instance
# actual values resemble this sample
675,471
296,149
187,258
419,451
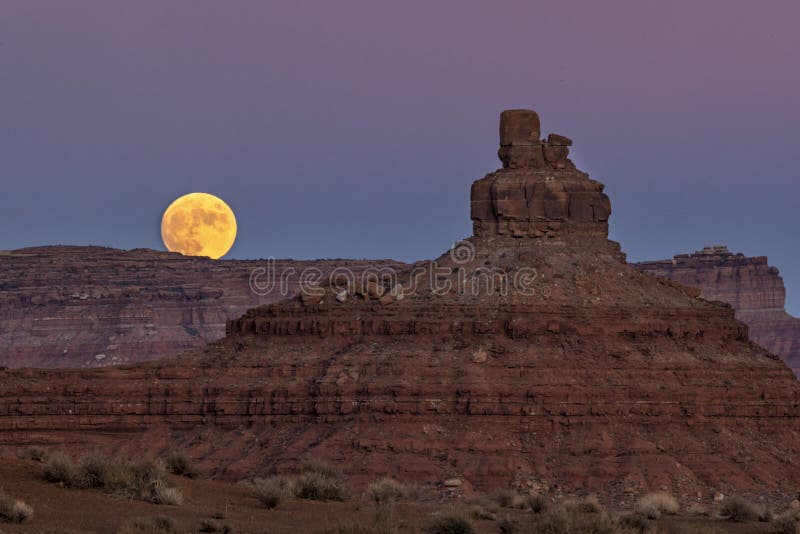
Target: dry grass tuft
14,510
386,490
653,505
36,454
179,464
586,505
317,486
271,491
739,510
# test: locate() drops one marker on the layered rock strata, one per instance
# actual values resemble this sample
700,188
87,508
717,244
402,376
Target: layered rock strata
538,360
96,306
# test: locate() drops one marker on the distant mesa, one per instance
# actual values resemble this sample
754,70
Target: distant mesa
749,284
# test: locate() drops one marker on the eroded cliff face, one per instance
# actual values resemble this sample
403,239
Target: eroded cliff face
530,355
750,285
96,306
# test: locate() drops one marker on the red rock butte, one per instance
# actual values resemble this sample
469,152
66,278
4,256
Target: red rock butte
530,355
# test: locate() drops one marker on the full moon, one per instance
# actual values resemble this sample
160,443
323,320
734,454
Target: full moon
199,224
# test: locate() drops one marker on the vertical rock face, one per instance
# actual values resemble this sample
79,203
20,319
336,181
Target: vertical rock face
530,355
749,284
539,193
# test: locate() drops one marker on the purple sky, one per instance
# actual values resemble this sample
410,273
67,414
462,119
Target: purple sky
354,128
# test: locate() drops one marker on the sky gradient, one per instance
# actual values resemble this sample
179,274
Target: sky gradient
355,128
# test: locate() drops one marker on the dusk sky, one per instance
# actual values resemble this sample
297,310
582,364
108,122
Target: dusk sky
355,128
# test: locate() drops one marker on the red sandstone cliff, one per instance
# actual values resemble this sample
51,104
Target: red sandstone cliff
95,306
750,285
530,355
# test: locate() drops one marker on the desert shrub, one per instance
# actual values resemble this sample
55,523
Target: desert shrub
504,498
512,499
36,454
738,509
211,526
271,491
696,509
99,471
144,481
537,503
150,525
653,505
161,493
785,524
476,511
765,515
322,469
449,523
571,520
179,464
636,523
509,526
385,491
360,528
60,469
315,486
586,505
14,510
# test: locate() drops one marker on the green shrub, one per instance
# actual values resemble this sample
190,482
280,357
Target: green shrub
179,464
739,510
14,510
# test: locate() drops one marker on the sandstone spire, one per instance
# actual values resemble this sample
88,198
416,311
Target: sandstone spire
539,192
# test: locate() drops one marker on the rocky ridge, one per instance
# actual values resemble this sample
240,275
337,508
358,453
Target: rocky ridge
531,355
94,306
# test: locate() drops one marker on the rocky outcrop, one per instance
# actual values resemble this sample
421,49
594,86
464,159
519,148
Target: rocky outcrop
749,284
539,360
96,306
524,200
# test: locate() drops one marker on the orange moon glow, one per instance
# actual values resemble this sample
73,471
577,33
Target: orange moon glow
199,224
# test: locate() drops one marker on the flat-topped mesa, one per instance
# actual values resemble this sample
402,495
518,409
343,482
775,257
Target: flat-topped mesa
538,193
